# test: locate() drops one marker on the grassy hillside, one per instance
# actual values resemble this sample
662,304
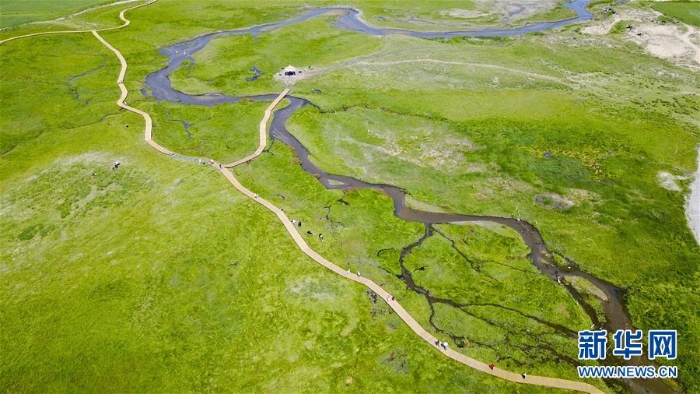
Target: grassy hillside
685,11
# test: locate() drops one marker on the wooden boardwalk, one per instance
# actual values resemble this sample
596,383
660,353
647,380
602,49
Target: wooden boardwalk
120,102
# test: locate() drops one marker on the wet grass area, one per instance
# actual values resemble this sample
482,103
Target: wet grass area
457,281
158,275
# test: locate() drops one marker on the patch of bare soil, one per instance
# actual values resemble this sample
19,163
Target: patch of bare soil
290,74
678,43
601,28
692,208
463,14
485,13
515,10
554,201
422,206
586,286
669,181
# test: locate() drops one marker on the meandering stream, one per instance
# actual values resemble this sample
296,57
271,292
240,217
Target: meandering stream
158,85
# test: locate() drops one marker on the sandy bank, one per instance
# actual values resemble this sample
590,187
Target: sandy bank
677,43
692,206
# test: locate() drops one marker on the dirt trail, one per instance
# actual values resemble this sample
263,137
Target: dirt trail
369,63
125,92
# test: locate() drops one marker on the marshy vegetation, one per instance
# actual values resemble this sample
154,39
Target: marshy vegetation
158,276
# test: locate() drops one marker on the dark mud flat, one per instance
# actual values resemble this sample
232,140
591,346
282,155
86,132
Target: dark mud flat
159,86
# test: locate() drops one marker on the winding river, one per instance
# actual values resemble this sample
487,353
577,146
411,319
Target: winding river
158,85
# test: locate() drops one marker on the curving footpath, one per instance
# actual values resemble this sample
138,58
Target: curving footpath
120,102
299,240
121,16
400,311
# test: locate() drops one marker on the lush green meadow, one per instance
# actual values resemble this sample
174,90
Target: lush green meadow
685,11
605,157
15,12
239,54
160,276
482,150
361,234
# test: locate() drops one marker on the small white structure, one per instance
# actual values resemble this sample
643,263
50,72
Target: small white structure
291,74
290,71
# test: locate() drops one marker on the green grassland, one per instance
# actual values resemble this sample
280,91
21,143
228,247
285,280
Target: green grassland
15,12
431,15
227,132
383,13
557,13
159,276
361,234
474,145
606,155
237,54
685,11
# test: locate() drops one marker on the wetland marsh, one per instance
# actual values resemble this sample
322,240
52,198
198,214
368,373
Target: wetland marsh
552,149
